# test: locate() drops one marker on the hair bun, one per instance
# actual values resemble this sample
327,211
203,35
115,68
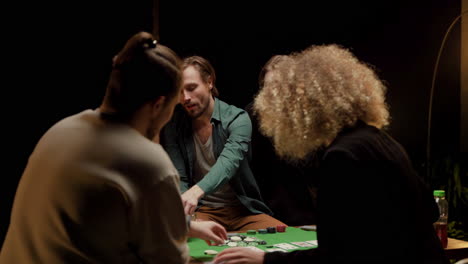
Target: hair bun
150,43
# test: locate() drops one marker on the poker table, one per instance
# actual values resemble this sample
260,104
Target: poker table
293,234
456,249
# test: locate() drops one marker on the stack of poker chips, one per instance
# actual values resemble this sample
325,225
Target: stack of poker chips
271,229
281,228
243,241
251,232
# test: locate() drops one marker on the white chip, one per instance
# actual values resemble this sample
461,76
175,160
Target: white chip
232,244
211,252
236,238
249,239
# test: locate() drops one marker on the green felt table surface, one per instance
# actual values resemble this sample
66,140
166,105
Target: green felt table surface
198,246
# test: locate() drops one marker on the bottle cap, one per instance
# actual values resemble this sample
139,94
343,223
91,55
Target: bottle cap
439,193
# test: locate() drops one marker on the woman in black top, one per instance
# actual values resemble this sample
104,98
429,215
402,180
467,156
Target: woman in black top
372,206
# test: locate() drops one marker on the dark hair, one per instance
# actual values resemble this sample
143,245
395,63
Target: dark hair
205,69
142,71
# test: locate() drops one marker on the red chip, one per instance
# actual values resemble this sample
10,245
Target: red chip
281,228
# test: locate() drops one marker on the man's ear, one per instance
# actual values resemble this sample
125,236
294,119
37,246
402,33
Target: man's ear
210,83
158,104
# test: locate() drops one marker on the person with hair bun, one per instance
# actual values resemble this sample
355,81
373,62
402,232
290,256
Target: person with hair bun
372,207
96,189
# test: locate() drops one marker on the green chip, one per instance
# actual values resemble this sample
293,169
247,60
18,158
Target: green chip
251,232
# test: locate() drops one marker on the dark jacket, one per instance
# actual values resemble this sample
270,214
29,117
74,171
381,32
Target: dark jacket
372,206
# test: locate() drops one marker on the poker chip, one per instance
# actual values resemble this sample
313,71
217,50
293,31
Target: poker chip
236,239
211,252
271,229
262,231
281,228
249,239
251,232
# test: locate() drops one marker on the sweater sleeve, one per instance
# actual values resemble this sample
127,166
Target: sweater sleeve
161,232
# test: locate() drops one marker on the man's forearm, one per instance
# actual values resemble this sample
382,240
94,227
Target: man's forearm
190,199
195,193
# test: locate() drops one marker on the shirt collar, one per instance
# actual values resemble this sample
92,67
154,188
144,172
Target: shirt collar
216,111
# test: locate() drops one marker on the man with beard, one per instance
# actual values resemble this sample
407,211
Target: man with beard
209,143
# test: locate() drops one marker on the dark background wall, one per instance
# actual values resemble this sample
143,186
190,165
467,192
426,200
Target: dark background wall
400,38
57,59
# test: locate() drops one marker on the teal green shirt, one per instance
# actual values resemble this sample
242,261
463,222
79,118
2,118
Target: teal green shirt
232,130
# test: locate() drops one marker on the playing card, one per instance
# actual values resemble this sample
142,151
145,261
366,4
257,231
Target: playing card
303,244
285,246
312,242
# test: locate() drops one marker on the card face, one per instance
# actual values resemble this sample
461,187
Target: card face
302,244
276,249
285,246
312,242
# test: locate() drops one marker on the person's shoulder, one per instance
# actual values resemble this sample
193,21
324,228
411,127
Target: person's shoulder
145,163
364,141
352,141
150,155
230,112
77,119
66,128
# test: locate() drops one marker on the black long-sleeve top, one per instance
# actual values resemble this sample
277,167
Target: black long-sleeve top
372,206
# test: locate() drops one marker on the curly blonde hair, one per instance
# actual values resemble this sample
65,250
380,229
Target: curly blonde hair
308,97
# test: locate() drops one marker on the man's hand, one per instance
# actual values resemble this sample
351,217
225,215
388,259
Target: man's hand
212,232
240,255
190,199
